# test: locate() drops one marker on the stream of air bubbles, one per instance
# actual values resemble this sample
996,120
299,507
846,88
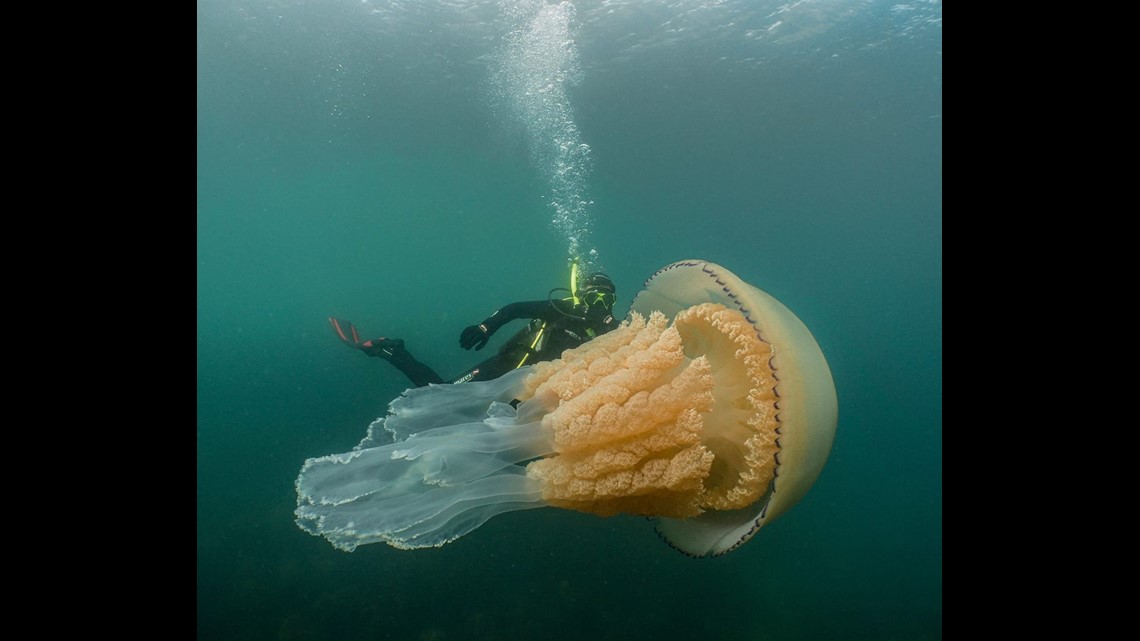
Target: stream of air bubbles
536,62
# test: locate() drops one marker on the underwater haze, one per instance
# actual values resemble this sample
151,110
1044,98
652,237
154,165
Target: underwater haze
414,165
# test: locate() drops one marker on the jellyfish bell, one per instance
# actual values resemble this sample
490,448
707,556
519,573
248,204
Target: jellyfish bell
806,405
711,409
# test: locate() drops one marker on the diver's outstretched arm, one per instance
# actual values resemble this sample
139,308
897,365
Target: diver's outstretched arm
477,335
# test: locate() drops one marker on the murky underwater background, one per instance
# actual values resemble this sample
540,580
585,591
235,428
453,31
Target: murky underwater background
412,166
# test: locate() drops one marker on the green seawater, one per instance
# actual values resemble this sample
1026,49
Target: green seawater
365,160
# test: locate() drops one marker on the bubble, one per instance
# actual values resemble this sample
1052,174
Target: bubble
536,62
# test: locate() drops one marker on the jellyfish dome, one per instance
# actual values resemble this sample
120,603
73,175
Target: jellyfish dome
710,409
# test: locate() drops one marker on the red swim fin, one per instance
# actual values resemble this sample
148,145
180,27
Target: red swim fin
346,332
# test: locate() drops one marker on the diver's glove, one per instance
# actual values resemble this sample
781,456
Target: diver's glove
475,336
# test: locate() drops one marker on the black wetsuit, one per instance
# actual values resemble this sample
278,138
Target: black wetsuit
561,330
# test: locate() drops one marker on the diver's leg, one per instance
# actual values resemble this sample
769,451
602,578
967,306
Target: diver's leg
393,351
491,368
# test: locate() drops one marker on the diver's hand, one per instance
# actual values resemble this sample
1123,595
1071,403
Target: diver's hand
474,336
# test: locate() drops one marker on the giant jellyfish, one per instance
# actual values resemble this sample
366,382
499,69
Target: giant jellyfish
711,410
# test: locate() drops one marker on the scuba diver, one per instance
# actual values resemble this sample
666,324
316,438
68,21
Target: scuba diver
556,325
